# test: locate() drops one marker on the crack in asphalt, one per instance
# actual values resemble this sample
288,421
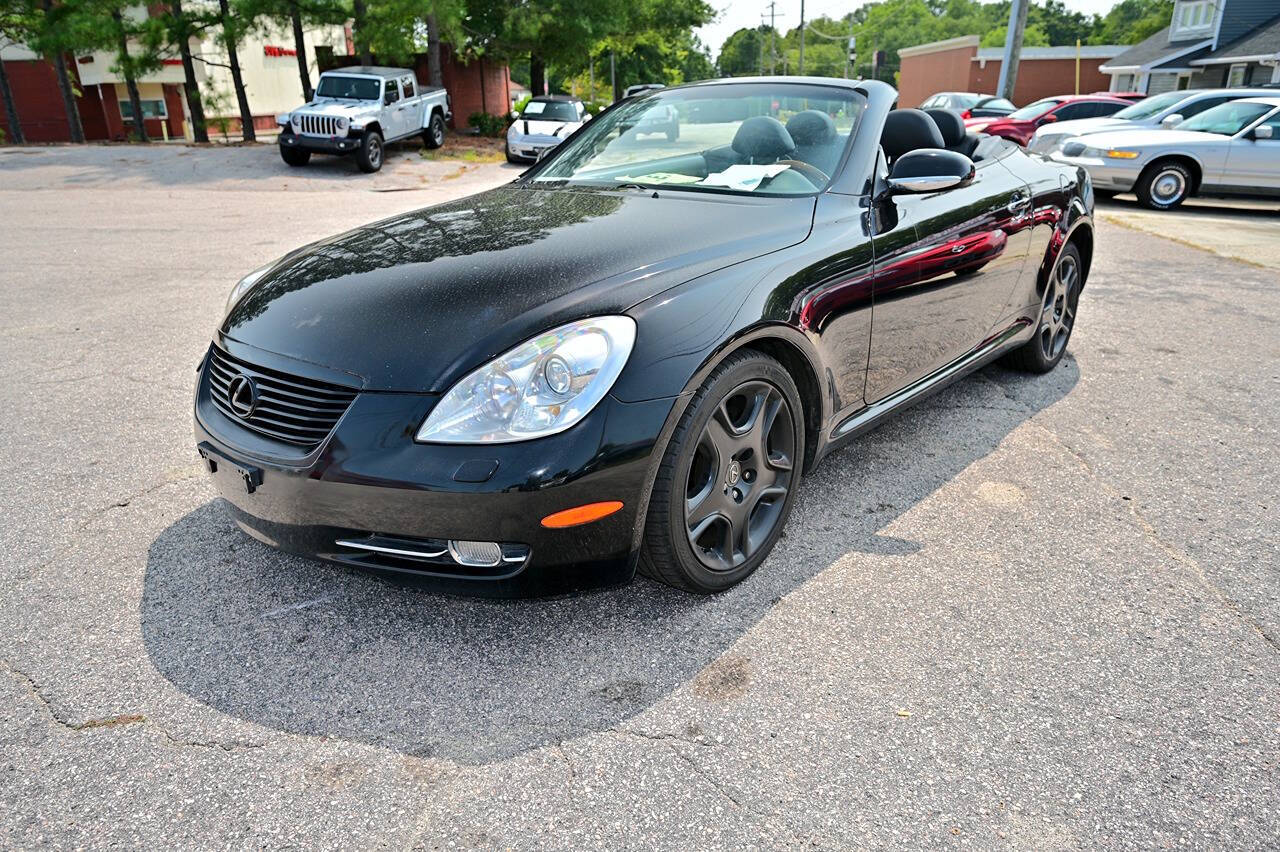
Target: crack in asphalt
118,721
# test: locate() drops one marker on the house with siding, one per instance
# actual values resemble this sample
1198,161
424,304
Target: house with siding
1208,44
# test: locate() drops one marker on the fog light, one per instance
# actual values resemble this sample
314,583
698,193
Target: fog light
476,554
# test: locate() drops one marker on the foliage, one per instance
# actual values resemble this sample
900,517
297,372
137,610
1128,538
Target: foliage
488,125
1131,21
522,103
1032,36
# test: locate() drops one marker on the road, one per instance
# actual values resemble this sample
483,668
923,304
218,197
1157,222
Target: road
1033,612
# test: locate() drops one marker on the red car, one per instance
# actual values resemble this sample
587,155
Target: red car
1021,124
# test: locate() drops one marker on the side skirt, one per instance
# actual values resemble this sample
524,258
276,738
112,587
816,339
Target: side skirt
865,419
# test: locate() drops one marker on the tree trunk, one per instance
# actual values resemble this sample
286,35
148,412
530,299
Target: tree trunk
300,47
537,75
484,98
362,43
135,100
64,86
237,79
435,74
195,106
10,108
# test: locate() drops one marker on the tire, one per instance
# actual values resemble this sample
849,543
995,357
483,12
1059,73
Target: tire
1164,185
371,152
433,136
1105,194
743,482
1057,317
295,157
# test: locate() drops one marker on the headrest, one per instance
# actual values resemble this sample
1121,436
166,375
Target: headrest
909,130
763,137
811,127
950,125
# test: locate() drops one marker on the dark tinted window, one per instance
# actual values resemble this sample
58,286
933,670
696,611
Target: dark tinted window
1203,104
1107,108
359,88
1070,112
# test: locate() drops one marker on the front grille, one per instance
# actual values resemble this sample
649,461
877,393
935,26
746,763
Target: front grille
1073,149
293,409
319,125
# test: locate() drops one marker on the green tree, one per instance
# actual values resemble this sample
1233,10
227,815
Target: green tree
746,51
1032,36
296,15
181,29
1132,21
51,30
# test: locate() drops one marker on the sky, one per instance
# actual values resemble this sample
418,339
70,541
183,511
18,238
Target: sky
736,14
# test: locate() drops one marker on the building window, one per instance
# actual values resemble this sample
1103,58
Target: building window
1235,76
1184,82
151,108
1192,16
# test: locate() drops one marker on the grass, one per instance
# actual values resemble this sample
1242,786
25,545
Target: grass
467,149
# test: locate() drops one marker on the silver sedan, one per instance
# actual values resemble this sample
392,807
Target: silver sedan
1232,149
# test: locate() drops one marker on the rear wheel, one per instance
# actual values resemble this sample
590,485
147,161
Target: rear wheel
369,155
295,156
1164,185
727,480
1057,316
433,136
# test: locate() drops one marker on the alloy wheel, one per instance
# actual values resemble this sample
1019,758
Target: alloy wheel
375,152
1059,313
740,475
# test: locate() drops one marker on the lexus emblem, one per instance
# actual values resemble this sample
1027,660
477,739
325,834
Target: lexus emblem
243,396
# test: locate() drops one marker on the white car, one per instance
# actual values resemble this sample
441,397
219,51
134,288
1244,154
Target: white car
543,124
1232,149
358,110
1165,110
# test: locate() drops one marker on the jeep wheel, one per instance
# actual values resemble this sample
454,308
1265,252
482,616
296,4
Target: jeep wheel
295,156
433,136
369,155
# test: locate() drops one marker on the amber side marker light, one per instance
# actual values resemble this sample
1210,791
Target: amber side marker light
581,515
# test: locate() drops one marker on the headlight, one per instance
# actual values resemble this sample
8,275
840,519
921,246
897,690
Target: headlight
342,125
243,285
541,387
297,121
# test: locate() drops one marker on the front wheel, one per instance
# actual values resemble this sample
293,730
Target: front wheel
369,156
728,477
433,136
295,156
1057,316
1163,186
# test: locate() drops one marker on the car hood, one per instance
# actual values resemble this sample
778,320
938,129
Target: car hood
1150,137
338,106
533,127
413,302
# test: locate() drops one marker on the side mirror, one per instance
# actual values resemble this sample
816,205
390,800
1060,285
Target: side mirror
1048,119
515,113
930,170
586,116
1263,131
1171,121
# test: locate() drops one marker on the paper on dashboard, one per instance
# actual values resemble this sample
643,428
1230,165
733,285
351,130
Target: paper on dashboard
744,177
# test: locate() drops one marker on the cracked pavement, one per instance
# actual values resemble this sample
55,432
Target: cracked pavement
1033,612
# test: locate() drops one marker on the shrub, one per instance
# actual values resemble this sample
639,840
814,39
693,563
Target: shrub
522,103
488,125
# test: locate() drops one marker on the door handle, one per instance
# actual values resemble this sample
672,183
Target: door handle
1019,201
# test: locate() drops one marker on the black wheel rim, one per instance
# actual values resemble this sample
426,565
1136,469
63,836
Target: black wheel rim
1059,312
740,475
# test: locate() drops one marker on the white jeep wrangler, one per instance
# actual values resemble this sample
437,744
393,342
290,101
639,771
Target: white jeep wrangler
358,110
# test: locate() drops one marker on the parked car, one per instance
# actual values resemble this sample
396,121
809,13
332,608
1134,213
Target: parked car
989,108
358,110
659,118
632,353
544,124
1163,110
1133,97
1019,125
1231,149
959,101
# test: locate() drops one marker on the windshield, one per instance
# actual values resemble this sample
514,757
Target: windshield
962,100
1148,107
759,138
994,103
1034,110
357,88
550,111
1226,119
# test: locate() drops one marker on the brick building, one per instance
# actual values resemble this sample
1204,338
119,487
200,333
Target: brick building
960,65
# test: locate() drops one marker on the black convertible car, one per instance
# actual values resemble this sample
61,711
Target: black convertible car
629,355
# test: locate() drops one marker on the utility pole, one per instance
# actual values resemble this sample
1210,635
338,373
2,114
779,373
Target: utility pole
773,52
801,71
1012,49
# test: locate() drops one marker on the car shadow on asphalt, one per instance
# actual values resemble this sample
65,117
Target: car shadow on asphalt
316,649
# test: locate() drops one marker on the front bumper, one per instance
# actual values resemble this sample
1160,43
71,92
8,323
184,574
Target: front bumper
529,148
1116,175
319,144
369,481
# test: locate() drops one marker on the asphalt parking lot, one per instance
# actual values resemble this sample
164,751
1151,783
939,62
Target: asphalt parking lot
1030,613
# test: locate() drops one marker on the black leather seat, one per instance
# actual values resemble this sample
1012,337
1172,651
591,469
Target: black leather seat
763,139
817,142
909,130
954,134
